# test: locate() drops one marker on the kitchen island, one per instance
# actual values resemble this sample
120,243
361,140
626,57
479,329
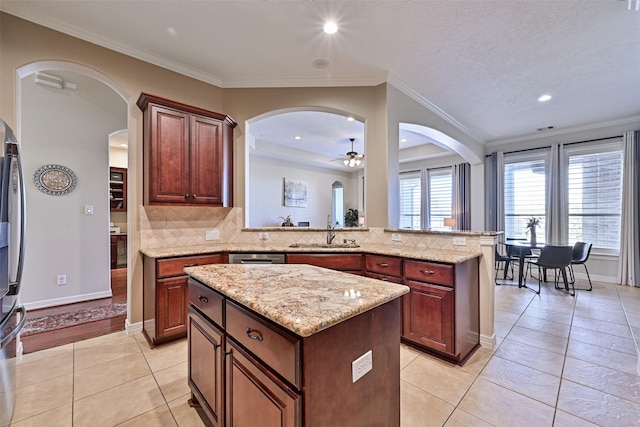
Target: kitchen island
277,345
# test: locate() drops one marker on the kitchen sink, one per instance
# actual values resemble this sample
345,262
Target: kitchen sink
323,245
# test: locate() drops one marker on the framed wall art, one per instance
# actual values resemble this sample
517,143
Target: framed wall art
295,193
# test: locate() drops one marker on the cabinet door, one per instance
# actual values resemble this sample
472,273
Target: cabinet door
168,174
206,349
171,316
254,396
207,166
428,316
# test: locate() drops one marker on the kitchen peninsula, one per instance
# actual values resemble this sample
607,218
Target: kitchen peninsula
293,345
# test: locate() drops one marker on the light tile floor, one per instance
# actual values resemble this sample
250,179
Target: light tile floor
559,360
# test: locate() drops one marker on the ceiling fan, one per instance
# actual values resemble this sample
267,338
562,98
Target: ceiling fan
352,158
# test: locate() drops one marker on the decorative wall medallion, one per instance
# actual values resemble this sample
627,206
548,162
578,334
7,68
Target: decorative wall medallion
55,180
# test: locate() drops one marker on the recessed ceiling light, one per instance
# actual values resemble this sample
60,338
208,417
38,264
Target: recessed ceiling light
172,31
330,27
350,119
544,98
297,137
403,140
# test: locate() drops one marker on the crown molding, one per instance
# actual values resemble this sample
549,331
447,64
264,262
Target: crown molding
404,88
32,15
304,82
557,132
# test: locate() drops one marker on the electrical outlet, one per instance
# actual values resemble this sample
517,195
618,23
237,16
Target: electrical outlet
212,234
361,365
396,237
61,279
459,241
263,235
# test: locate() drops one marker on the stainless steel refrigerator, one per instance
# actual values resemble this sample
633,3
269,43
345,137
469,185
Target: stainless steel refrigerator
12,237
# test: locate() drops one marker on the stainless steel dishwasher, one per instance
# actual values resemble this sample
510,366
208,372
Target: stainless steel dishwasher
253,258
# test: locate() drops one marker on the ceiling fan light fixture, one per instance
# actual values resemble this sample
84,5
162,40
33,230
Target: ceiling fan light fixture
346,162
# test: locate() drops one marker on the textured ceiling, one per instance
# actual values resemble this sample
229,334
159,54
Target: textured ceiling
482,64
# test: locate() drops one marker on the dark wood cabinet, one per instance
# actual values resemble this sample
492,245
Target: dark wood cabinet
118,189
206,366
165,295
383,267
441,310
188,154
347,262
273,377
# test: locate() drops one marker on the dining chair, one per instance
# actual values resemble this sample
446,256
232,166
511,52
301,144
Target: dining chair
557,258
581,252
504,260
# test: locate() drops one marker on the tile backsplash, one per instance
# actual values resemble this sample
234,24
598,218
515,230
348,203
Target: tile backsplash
179,226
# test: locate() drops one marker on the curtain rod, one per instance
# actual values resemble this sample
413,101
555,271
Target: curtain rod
568,143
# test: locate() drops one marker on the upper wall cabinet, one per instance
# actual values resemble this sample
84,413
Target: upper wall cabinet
188,154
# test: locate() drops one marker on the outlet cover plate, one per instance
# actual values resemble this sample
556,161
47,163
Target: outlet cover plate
212,234
459,241
361,365
61,279
396,237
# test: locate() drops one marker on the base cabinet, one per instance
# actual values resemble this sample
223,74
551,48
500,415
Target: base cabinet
165,295
441,310
206,365
274,378
255,397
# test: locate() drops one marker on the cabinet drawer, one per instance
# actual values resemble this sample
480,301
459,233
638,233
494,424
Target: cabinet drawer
342,262
388,266
208,301
276,348
441,274
175,266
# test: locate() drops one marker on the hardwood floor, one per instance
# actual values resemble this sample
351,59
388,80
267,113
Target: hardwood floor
83,331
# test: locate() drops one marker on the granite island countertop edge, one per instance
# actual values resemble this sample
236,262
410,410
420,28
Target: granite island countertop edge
301,298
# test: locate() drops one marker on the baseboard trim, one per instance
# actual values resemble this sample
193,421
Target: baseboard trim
66,300
488,342
132,328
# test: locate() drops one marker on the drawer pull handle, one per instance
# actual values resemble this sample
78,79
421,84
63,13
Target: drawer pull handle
195,264
254,335
384,279
383,264
427,272
203,299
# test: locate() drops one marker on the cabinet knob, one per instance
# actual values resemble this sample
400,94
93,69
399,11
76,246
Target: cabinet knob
254,335
195,196
427,272
383,264
186,196
203,299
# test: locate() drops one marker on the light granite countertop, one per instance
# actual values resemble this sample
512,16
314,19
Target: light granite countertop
301,298
426,254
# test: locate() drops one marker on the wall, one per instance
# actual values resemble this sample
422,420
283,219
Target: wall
403,109
68,128
23,43
266,187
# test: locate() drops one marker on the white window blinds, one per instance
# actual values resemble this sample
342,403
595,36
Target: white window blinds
524,194
410,200
440,196
595,196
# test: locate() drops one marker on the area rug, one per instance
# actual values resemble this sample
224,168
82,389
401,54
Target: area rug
65,320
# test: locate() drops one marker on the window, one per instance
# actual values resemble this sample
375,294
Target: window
594,188
524,194
440,196
425,206
410,200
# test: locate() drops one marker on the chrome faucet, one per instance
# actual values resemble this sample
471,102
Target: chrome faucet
331,234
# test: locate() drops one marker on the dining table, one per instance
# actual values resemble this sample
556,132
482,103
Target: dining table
521,249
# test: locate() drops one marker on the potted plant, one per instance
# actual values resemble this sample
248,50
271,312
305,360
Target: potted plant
287,221
351,218
532,223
